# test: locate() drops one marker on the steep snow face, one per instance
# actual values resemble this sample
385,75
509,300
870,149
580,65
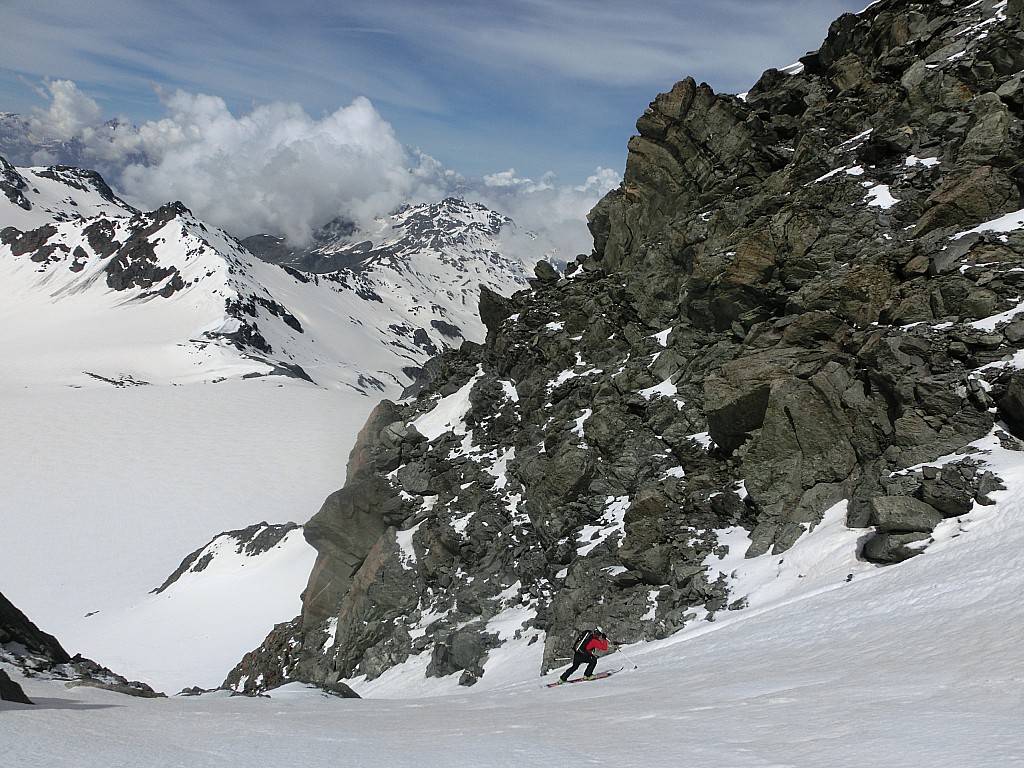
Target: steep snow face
146,298
32,197
202,620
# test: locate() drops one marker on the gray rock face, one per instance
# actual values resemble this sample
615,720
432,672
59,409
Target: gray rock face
779,313
349,524
15,627
11,691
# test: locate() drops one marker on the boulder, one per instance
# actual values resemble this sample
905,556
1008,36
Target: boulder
494,309
545,272
464,650
340,690
949,490
903,514
894,547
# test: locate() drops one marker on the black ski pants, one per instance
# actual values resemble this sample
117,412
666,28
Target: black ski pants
579,658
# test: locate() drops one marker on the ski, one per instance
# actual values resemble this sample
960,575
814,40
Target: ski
598,676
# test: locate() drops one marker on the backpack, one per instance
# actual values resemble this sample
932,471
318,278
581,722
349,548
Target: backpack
580,646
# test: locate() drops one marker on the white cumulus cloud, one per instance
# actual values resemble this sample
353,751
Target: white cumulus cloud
69,114
276,169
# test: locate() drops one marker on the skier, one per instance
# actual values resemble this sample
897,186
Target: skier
583,652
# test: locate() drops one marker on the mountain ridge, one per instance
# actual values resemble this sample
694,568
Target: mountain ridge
797,300
69,232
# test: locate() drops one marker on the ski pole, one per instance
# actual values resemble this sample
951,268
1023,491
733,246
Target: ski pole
619,650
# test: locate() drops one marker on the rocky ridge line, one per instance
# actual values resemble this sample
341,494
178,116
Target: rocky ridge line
795,298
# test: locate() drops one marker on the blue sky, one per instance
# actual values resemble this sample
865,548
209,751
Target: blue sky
482,86
548,89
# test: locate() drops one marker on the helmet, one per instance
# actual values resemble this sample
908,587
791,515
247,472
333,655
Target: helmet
599,630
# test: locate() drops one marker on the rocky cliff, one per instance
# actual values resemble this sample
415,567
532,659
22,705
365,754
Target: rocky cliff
798,297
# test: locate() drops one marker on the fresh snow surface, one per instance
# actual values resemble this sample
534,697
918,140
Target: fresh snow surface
880,196
836,663
105,490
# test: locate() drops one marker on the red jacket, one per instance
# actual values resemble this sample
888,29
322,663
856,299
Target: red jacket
596,644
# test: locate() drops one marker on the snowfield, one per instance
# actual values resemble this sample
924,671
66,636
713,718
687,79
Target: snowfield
836,663
105,490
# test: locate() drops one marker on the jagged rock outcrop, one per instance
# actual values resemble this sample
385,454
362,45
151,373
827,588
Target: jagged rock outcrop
12,691
795,298
15,627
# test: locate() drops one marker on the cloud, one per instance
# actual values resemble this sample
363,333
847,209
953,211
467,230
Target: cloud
70,112
278,170
275,169
557,213
532,84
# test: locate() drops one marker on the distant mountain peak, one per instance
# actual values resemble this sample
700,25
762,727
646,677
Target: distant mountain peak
68,243
452,227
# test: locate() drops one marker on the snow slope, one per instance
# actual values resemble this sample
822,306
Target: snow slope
917,664
105,490
193,390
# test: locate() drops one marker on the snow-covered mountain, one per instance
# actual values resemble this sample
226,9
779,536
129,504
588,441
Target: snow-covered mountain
769,435
160,297
260,378
452,230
